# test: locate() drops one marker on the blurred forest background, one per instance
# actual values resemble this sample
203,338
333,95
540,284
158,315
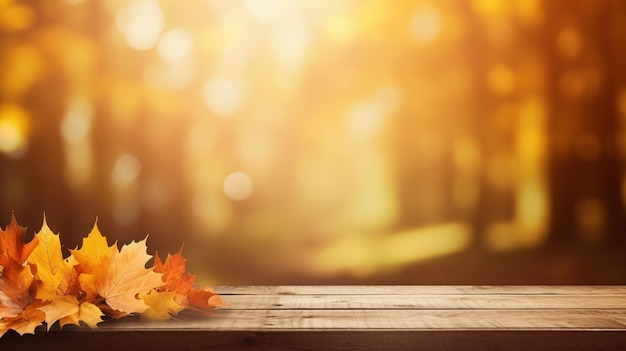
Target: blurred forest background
325,141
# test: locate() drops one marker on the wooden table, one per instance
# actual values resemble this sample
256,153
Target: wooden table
371,318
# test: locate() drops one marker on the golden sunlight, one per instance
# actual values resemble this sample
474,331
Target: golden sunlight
329,138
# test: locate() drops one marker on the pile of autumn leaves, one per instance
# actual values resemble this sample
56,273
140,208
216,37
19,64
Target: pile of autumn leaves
38,285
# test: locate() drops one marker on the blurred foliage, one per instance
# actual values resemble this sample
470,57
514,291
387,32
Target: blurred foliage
320,141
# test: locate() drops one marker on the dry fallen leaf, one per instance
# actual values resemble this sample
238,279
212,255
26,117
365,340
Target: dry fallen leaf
18,306
94,250
26,322
57,281
12,246
123,275
177,280
161,305
174,275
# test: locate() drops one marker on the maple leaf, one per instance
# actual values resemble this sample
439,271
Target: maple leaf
93,252
12,246
17,304
199,300
161,305
174,273
116,276
25,322
88,313
18,308
59,307
57,275
203,300
127,276
15,286
57,281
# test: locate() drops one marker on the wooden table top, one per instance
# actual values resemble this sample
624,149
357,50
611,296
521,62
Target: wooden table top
371,317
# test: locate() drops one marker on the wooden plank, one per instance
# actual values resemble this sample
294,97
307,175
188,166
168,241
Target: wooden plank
424,290
366,320
370,318
368,302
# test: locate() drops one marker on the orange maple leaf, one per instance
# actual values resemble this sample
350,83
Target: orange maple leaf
25,322
17,303
174,273
199,300
15,287
12,246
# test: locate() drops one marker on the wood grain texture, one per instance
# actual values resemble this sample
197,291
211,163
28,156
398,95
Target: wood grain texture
370,318
424,290
402,302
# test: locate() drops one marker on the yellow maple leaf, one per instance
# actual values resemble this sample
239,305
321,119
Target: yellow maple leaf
57,276
57,281
59,307
87,312
47,255
126,276
94,250
161,305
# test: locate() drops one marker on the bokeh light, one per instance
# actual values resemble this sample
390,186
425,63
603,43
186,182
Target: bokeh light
126,169
13,126
425,23
325,141
141,22
238,186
